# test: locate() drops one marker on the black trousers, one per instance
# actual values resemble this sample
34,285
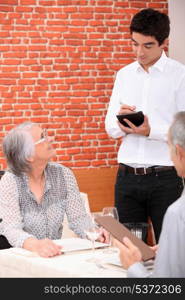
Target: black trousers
138,197
4,244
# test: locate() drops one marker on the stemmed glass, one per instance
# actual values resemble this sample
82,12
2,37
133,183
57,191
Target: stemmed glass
92,232
110,211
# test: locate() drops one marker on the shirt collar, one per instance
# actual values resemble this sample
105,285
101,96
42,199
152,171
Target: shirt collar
160,64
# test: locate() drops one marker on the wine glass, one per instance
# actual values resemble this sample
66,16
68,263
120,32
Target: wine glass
110,211
92,232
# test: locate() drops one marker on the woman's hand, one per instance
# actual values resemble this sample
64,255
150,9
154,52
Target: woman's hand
104,236
44,247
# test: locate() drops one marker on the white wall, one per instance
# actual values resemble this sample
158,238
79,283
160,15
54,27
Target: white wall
177,32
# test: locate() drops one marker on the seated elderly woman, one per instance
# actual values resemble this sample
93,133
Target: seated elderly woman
35,193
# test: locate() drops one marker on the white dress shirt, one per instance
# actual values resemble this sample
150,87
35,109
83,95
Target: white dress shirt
159,93
170,259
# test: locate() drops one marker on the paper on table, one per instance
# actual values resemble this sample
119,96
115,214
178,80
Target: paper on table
112,258
76,244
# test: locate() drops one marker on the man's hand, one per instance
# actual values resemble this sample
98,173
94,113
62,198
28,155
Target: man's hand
129,253
126,109
155,248
143,129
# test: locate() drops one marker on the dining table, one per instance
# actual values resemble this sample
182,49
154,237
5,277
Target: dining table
74,262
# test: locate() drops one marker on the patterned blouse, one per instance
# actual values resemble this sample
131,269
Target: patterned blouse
23,217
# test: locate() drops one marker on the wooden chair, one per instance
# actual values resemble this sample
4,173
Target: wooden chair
98,184
151,241
1,173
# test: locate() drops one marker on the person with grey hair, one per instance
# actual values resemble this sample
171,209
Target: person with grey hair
36,193
170,257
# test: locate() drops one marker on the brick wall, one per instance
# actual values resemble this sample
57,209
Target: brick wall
58,61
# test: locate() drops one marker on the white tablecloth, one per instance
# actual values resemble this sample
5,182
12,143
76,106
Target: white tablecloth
16,262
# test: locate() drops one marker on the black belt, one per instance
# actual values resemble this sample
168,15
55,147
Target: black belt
145,171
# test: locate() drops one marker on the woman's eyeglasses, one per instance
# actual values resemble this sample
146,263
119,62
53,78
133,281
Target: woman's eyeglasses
44,136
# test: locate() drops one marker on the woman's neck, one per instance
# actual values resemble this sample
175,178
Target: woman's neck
37,173
37,183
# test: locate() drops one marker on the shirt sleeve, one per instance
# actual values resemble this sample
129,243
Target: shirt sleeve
170,255
12,225
77,215
161,132
137,270
158,133
171,252
111,121
180,95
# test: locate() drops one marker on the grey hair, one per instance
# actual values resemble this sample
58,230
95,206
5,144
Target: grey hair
18,146
177,129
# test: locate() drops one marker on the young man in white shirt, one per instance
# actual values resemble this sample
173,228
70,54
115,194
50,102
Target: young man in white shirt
170,258
147,182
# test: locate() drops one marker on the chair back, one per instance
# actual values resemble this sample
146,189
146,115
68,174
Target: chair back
1,173
67,232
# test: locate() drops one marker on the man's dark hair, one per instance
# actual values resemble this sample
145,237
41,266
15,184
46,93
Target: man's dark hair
152,23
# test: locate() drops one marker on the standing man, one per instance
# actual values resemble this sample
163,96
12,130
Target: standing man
170,256
147,182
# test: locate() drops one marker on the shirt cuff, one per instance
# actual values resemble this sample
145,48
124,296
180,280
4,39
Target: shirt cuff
19,242
137,270
158,134
116,133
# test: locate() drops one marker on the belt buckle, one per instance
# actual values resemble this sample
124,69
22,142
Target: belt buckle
135,171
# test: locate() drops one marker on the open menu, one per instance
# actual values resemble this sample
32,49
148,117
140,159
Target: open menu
77,244
119,231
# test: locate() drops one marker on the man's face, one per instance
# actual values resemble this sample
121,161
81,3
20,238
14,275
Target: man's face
146,49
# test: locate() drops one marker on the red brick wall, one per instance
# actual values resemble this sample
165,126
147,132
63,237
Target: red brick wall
58,61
